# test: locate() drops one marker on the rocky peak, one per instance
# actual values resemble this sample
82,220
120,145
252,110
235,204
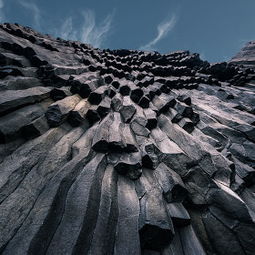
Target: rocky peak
246,56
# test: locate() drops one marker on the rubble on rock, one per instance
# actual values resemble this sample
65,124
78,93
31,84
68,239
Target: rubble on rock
123,151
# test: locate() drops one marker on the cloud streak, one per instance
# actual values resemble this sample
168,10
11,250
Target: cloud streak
95,34
90,32
67,31
162,31
34,9
2,15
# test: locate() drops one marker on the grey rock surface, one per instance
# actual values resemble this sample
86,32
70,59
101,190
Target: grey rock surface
246,56
124,151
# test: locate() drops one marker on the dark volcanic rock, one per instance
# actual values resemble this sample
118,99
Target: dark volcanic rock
124,151
246,56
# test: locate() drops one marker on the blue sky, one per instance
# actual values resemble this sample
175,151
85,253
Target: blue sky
216,29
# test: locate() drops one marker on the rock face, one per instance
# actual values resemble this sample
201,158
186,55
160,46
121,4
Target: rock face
246,56
122,151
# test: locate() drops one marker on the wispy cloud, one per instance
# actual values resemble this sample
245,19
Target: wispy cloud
67,31
202,56
90,32
2,16
163,29
34,9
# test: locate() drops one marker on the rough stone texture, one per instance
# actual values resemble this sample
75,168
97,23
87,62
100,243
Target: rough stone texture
246,56
124,151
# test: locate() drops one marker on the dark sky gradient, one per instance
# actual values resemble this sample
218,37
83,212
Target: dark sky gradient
216,29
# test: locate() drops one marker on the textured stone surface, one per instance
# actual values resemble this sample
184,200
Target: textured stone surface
246,56
124,151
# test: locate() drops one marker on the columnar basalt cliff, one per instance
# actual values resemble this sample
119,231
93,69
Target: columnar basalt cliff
123,151
246,56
